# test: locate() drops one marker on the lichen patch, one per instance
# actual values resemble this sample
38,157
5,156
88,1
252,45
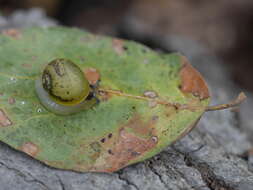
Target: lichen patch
4,120
150,94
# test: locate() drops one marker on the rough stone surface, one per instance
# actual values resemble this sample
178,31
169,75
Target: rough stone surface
206,159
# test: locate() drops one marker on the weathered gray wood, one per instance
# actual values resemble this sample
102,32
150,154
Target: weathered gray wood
208,158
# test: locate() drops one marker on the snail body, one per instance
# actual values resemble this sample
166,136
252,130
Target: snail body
63,88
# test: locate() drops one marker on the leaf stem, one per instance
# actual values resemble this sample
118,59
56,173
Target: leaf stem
241,97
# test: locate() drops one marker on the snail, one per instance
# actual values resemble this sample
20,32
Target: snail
63,88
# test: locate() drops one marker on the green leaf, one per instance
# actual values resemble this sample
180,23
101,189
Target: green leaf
147,100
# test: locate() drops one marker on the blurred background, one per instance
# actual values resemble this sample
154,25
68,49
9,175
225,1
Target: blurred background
223,27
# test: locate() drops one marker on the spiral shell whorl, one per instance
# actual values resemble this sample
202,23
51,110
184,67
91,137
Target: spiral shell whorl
65,82
63,88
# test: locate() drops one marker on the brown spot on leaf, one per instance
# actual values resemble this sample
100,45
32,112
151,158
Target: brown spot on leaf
14,33
192,81
110,135
4,120
11,100
118,46
92,75
134,138
102,140
140,127
128,147
30,148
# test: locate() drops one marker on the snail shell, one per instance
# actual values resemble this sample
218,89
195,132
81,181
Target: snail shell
63,88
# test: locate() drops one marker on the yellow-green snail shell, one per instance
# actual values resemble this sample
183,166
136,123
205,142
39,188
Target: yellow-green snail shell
63,89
